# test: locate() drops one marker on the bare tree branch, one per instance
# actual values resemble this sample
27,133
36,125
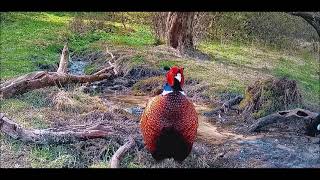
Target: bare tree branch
311,17
64,59
111,61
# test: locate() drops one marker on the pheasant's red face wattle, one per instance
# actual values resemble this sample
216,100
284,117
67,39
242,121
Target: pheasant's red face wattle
175,73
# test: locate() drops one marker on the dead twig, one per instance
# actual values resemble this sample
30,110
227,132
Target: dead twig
225,106
112,64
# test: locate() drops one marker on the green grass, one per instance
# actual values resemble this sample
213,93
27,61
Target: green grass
140,37
27,40
305,74
231,53
89,69
12,105
138,59
36,98
33,99
300,65
99,165
30,39
50,157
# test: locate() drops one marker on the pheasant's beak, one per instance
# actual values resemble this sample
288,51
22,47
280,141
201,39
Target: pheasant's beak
178,77
318,127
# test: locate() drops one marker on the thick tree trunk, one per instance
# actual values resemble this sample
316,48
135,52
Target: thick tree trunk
179,31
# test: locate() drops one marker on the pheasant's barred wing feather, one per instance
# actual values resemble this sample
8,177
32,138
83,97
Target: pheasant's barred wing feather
189,125
150,124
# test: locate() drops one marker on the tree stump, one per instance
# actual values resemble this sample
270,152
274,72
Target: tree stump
269,96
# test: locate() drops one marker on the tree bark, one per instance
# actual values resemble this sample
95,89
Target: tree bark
179,31
53,136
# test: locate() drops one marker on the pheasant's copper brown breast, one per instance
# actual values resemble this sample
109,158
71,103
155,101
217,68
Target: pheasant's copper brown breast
173,110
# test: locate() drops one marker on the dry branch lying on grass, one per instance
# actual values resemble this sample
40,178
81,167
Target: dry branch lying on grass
54,135
305,119
115,160
225,106
40,79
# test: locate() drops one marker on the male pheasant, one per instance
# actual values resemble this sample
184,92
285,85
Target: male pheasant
169,122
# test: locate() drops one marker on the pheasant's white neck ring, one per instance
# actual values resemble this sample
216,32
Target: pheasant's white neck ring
168,92
318,127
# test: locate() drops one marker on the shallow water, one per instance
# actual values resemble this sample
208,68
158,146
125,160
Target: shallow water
77,67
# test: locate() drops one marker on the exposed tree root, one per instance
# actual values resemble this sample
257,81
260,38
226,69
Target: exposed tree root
298,119
116,158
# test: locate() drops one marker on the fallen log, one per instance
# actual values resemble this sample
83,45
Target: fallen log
299,120
41,79
54,135
116,158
